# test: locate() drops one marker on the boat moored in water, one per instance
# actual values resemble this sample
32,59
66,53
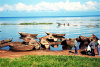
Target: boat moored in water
55,34
27,34
5,41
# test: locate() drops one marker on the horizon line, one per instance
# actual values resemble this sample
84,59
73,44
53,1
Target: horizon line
49,16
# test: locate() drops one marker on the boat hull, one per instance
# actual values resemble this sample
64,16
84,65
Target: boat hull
27,34
22,47
55,34
5,41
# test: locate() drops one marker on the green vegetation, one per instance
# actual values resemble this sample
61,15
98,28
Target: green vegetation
35,23
95,20
27,24
94,26
50,61
7,24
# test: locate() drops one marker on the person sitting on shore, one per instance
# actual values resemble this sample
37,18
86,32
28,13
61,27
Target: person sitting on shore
92,45
75,45
98,47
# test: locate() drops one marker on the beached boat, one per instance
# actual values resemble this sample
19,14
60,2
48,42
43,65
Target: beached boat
5,41
27,34
22,47
94,37
55,34
44,42
35,43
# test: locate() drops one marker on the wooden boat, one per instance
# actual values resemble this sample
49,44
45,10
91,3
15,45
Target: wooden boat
22,47
35,43
44,42
50,38
94,37
27,34
5,41
55,34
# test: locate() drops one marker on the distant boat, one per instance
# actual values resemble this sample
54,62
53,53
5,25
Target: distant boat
55,34
27,34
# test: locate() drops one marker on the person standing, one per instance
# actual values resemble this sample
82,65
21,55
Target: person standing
98,47
75,45
92,45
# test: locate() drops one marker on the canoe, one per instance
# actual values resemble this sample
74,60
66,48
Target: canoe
5,41
94,37
44,42
27,34
22,47
35,43
55,34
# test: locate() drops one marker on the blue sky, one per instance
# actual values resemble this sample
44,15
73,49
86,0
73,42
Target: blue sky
21,8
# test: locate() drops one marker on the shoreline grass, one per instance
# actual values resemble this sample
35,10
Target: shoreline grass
7,24
95,20
35,23
50,61
27,24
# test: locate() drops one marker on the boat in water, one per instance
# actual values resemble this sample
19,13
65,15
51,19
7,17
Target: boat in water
5,41
55,34
27,34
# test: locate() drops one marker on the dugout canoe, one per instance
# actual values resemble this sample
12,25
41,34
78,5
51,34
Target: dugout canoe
5,41
22,47
27,34
55,34
35,43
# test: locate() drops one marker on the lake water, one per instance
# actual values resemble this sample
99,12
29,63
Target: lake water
72,31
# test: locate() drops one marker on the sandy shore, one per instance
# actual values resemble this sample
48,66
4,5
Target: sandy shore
11,54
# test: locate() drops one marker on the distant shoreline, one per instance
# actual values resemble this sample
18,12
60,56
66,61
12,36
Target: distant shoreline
27,24
52,16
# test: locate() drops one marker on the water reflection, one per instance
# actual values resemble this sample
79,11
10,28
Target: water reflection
56,49
6,48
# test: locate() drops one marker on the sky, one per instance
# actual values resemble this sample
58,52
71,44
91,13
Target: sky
27,8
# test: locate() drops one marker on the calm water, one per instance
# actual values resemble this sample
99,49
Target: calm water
11,31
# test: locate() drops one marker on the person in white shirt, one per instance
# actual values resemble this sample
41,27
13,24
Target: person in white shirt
75,45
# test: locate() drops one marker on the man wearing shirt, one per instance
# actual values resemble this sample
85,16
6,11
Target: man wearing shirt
75,45
92,45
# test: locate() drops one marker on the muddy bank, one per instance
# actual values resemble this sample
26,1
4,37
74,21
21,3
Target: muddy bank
11,54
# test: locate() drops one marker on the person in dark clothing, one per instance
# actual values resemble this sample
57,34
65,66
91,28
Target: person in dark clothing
98,48
92,45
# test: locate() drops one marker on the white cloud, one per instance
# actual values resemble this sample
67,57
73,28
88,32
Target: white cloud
59,6
1,9
6,7
23,7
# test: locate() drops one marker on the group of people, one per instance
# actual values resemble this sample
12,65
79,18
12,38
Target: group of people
91,44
